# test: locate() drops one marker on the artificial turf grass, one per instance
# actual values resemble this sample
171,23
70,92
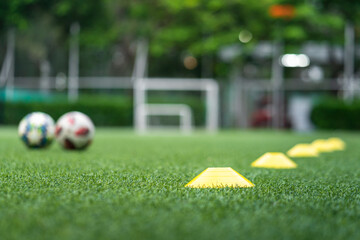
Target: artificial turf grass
125,186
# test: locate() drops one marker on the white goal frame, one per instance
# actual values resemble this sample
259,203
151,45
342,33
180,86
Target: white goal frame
143,85
181,110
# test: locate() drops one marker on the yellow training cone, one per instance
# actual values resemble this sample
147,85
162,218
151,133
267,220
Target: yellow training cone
219,177
336,143
274,160
323,145
303,150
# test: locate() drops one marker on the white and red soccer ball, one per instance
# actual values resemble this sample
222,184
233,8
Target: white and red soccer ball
74,130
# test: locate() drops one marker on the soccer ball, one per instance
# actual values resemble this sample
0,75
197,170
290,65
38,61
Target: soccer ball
36,130
74,130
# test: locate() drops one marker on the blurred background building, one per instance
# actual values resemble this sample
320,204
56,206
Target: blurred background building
214,63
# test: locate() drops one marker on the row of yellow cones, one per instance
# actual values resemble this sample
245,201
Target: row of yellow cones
228,177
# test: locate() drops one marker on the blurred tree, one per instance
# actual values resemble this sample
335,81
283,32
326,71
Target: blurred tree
15,13
194,27
203,27
43,25
348,9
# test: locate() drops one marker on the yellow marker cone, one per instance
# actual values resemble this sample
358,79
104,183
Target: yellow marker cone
337,144
323,145
274,160
218,178
303,150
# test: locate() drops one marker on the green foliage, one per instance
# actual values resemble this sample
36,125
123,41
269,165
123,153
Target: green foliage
132,187
103,110
336,114
348,9
197,27
15,13
196,20
208,25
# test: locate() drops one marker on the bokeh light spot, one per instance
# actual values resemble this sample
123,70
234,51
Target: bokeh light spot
245,36
190,62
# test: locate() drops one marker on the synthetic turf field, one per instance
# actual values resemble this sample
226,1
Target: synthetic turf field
130,187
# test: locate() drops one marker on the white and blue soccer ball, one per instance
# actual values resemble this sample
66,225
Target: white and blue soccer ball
74,130
37,130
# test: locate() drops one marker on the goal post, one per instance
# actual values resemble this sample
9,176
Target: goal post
143,85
